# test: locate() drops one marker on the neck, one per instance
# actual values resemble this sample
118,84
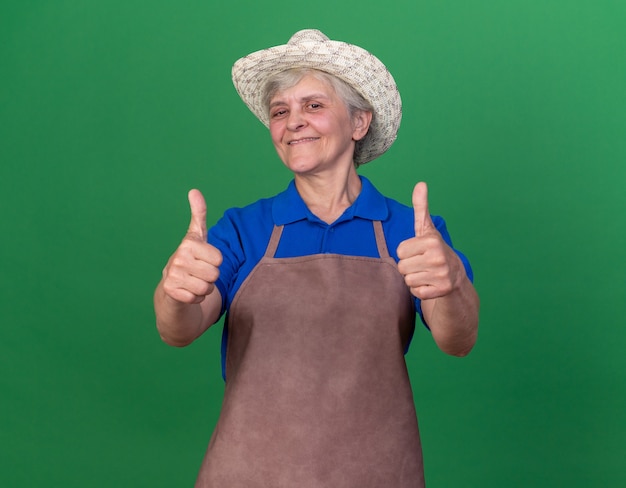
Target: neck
327,197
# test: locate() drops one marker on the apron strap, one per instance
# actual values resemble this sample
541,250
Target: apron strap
274,240
383,252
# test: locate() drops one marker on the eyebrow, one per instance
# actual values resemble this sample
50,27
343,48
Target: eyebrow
306,98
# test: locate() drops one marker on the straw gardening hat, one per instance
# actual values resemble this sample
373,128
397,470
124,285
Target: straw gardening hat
360,69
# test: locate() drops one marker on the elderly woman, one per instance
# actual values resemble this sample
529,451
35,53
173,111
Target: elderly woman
320,283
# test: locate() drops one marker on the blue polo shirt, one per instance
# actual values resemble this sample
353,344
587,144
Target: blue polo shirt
242,234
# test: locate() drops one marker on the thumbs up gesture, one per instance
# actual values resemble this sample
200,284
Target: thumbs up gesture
191,272
431,269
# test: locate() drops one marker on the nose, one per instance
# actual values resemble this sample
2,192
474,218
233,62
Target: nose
296,120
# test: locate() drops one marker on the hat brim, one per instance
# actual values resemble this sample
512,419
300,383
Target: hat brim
350,63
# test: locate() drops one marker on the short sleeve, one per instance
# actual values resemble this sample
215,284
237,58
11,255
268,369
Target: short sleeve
224,236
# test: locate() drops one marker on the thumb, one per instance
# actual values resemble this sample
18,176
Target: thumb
197,226
423,222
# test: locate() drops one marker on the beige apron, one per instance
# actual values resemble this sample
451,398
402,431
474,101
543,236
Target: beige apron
317,392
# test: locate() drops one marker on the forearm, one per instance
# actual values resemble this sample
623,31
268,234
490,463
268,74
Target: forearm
453,319
178,323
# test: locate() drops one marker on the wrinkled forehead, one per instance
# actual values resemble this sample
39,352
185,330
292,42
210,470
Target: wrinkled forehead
288,80
307,87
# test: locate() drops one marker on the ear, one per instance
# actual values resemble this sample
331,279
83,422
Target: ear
361,122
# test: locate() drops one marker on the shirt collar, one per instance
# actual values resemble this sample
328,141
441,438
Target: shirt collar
288,206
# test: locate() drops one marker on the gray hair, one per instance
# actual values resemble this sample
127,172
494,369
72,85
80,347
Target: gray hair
351,98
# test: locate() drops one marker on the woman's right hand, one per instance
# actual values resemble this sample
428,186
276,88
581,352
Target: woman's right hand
192,270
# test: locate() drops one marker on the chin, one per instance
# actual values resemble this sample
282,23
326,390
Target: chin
301,167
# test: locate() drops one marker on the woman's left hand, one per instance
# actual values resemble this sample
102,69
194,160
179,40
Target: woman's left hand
435,274
430,267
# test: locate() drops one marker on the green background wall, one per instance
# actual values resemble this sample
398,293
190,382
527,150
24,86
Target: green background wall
514,113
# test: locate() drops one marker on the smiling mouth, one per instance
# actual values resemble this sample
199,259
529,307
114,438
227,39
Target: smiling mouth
299,141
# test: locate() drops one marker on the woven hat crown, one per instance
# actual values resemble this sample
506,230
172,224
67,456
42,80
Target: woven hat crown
357,67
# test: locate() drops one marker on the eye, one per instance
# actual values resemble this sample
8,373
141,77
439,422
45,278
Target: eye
314,106
277,114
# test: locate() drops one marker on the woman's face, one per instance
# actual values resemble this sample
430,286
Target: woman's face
311,127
